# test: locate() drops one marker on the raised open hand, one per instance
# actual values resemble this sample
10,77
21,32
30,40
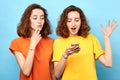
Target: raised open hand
109,29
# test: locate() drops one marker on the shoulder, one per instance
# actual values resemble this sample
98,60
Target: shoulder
91,36
17,39
60,39
16,43
47,40
20,40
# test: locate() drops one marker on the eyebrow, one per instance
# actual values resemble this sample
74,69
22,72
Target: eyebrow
36,15
74,18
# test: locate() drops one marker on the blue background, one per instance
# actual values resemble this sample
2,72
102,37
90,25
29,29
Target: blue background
96,11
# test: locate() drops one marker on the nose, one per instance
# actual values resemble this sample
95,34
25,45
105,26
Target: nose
39,20
73,23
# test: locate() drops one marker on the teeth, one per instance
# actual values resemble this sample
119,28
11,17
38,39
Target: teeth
73,28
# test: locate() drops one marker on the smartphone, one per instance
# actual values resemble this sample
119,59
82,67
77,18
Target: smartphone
74,44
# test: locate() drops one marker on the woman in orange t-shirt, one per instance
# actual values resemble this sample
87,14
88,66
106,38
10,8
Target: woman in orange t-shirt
33,47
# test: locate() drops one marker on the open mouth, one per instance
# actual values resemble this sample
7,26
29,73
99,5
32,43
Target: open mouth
73,28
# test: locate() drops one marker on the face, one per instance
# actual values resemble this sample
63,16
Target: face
73,22
37,19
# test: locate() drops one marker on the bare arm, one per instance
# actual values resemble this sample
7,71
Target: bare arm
59,66
106,58
26,63
52,71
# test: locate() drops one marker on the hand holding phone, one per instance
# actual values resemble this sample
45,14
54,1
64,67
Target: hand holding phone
75,44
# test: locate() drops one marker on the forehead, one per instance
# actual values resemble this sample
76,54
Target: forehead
73,14
37,12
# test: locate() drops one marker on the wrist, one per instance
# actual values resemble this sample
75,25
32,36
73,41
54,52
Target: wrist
65,56
31,49
106,37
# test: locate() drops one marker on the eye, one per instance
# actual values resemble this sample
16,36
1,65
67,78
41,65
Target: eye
68,20
42,18
77,20
34,18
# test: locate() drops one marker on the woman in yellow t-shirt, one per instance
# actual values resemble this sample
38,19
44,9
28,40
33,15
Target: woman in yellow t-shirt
76,50
33,48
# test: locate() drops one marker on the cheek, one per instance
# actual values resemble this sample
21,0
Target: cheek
43,22
78,25
68,25
33,25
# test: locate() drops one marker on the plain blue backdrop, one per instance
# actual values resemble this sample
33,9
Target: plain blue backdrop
96,11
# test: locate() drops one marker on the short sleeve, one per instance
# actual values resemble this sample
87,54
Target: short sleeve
56,51
14,46
97,49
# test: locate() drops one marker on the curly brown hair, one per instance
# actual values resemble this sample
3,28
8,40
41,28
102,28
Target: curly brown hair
62,29
24,27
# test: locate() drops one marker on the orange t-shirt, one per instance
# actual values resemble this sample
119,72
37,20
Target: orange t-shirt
43,54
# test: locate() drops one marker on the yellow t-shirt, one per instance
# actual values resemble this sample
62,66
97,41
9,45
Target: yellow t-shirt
81,65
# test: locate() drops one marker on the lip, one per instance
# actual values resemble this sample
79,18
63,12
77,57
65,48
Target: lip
73,28
39,26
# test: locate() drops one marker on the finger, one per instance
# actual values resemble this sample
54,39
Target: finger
75,49
67,51
101,26
34,33
114,24
108,23
39,35
36,30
